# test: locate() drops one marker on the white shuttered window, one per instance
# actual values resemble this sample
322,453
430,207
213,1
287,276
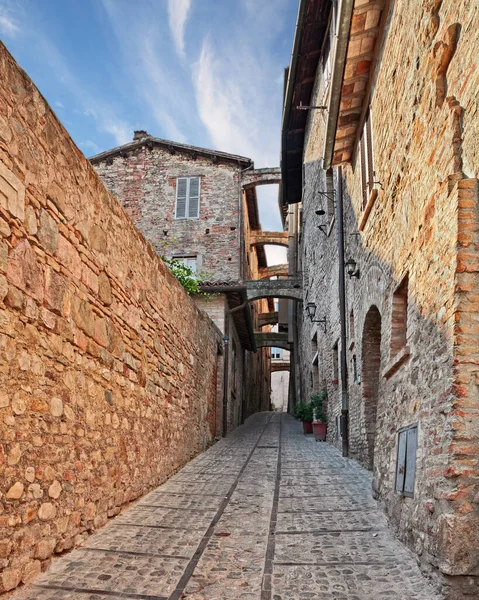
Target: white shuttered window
187,198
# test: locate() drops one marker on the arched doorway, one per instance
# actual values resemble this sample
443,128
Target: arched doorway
371,367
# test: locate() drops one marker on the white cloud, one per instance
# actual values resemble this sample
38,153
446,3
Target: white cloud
276,255
220,106
7,25
59,104
89,145
157,84
234,102
178,11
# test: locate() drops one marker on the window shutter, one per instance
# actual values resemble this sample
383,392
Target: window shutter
181,189
194,198
191,263
401,462
410,461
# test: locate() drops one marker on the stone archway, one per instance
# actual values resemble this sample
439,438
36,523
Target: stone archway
371,368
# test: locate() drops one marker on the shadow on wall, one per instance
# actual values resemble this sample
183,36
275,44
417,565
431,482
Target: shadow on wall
414,399
419,367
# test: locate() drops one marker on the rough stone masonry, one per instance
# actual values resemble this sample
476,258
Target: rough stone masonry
107,368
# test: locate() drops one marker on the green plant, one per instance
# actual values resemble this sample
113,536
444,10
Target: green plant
317,402
185,275
304,412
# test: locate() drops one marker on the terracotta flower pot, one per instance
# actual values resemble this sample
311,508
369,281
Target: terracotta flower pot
307,427
320,430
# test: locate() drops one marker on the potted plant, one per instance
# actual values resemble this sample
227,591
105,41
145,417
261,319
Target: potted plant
304,412
320,423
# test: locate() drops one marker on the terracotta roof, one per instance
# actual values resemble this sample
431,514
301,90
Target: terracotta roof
311,26
365,38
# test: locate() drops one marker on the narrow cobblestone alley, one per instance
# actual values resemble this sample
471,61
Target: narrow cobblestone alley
243,521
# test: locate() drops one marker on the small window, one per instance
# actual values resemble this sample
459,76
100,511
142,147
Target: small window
335,363
355,369
187,198
399,317
275,353
189,261
351,326
330,193
406,461
367,159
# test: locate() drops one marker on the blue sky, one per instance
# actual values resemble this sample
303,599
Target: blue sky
204,72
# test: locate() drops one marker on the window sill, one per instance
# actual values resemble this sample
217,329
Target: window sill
371,201
396,362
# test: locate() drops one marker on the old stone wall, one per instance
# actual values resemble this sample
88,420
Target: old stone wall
423,225
145,182
108,371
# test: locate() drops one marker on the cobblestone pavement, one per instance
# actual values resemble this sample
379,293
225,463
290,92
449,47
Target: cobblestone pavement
244,521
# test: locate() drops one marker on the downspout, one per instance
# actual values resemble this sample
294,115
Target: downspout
342,317
344,27
226,339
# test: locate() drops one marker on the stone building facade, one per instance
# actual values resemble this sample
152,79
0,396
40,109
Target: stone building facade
190,203
109,373
382,169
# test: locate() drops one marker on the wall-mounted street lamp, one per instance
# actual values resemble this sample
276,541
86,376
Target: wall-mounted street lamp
311,310
351,268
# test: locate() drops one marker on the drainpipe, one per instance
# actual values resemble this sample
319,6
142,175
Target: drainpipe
226,339
342,316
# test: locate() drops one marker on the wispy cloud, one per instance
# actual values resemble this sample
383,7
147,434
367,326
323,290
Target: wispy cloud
89,146
146,61
8,25
59,104
100,110
221,106
178,11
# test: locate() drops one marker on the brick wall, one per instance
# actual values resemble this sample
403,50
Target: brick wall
108,371
145,182
423,225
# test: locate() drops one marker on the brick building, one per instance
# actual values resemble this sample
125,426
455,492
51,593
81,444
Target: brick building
192,205
380,196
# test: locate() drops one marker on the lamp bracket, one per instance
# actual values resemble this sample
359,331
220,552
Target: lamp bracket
328,195
302,106
322,321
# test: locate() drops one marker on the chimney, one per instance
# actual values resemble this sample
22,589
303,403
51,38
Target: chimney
140,134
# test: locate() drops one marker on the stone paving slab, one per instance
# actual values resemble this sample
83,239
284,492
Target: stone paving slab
337,547
266,514
333,521
122,573
145,540
350,582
